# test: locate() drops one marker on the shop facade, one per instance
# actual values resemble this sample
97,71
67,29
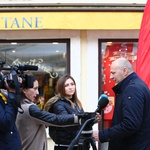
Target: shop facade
80,43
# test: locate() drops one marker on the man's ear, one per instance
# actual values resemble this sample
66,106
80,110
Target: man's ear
126,72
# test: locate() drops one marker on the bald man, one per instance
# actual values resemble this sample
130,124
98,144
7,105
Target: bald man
130,128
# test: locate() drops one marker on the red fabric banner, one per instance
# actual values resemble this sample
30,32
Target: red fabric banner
143,53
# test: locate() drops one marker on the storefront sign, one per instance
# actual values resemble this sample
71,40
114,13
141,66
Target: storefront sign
70,20
21,22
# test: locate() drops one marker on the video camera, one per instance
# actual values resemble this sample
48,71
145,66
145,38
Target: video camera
27,79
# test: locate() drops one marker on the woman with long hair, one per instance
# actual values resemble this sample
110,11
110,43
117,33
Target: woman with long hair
65,102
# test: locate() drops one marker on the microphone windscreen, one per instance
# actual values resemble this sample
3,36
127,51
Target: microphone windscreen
103,96
103,101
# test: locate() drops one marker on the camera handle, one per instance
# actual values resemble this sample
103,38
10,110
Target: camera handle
17,89
75,140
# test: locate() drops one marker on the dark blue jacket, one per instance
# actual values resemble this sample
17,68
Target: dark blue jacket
131,121
64,135
9,136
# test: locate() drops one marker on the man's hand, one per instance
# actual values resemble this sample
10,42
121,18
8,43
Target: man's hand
96,135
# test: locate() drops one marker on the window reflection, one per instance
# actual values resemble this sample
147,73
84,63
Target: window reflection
49,57
111,51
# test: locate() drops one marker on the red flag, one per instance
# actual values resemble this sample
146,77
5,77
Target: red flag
143,53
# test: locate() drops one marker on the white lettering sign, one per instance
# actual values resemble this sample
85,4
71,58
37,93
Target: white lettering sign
37,62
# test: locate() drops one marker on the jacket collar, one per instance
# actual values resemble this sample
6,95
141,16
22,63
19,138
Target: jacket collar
122,85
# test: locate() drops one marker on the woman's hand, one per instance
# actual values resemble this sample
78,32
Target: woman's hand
98,117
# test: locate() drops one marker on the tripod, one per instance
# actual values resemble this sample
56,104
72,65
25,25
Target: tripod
85,141
84,137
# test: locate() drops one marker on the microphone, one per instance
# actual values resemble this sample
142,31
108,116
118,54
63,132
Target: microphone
102,103
27,67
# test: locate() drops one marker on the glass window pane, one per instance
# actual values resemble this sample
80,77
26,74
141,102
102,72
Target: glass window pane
111,51
50,58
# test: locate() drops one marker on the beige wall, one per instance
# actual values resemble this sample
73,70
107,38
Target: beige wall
84,57
50,144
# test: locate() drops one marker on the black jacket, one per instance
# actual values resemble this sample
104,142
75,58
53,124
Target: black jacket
64,135
131,121
9,135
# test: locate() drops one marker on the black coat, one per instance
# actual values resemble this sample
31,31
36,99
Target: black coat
131,121
64,135
9,135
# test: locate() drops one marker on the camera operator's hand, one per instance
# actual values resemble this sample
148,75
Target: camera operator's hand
10,89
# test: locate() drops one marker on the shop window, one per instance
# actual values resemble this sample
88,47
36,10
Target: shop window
51,57
109,50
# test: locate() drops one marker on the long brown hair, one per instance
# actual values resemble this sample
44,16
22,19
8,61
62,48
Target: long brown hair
60,89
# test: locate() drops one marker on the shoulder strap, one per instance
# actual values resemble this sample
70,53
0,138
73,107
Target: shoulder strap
4,98
17,88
